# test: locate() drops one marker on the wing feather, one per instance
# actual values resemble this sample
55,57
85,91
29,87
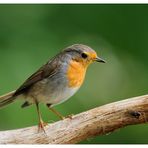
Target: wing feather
47,70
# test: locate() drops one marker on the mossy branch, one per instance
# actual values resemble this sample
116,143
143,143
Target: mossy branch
94,122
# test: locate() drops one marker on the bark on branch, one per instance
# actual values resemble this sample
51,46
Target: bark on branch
97,121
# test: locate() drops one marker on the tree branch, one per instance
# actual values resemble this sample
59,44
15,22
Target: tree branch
97,121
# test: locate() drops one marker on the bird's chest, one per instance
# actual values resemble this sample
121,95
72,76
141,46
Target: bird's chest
75,74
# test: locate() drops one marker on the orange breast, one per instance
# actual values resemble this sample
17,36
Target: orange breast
76,73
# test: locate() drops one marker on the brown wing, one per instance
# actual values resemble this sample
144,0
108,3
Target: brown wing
47,70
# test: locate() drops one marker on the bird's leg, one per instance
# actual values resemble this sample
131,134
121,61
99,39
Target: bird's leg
41,123
54,111
57,113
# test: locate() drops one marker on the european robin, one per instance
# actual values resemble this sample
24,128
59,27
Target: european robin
56,81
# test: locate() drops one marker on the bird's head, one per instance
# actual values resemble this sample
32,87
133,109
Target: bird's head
83,54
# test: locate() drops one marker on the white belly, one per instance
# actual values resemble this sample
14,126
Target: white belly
53,97
62,96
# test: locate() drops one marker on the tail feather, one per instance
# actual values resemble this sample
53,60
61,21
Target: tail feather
7,99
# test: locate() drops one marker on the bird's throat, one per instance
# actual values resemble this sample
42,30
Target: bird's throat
76,73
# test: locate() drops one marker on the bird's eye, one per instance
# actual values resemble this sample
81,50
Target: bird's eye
84,55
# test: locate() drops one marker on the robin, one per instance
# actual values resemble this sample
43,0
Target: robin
56,81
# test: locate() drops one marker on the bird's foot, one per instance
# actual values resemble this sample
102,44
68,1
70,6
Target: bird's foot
41,126
69,116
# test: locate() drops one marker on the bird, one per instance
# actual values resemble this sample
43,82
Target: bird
56,81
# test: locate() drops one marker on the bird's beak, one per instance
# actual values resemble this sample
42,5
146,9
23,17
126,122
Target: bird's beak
99,60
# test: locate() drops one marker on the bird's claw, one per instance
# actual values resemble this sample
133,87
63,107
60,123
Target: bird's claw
69,116
41,126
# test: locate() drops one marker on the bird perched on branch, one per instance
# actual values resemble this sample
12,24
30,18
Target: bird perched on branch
56,81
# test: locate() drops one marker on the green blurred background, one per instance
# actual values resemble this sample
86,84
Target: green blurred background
31,34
